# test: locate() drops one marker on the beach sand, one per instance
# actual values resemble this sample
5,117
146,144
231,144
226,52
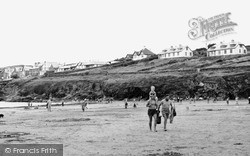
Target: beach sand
109,129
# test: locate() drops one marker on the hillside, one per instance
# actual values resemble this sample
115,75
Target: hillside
185,77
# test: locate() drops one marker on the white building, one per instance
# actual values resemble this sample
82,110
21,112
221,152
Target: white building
67,67
231,48
91,64
19,70
173,52
144,53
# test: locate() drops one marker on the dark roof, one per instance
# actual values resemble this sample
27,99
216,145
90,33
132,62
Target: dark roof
145,51
129,55
248,47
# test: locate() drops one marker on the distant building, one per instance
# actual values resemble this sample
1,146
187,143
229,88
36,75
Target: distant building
248,48
46,66
173,52
113,62
35,71
129,57
67,67
16,70
92,64
142,54
1,73
80,65
231,48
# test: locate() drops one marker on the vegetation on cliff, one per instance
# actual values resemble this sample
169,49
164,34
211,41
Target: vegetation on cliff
218,77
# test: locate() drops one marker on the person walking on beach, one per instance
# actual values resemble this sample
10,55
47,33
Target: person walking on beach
152,112
166,105
49,104
249,100
135,105
152,108
62,102
84,104
228,101
172,112
126,103
237,100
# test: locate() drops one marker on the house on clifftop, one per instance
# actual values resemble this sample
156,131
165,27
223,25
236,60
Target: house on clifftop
18,71
231,48
173,52
142,54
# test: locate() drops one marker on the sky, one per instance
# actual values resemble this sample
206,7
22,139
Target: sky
69,31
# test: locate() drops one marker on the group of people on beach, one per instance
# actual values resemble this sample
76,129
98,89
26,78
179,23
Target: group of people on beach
166,105
126,103
167,109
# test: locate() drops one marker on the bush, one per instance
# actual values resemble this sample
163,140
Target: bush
15,76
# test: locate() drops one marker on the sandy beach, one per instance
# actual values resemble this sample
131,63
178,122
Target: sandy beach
109,129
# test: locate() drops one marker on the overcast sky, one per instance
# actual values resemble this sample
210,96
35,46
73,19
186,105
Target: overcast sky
80,30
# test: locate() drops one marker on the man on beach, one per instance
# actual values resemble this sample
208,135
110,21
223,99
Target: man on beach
126,103
49,104
166,108
152,106
84,104
152,112
228,101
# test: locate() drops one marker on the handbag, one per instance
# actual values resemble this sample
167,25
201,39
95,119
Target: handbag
158,117
158,120
174,112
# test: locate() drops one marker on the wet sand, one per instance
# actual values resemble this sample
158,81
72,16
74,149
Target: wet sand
109,129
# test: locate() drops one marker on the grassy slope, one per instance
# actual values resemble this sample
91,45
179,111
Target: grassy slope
114,79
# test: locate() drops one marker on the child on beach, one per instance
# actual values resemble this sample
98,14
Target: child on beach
152,93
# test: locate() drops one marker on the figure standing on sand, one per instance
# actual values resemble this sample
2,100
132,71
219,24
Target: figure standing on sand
49,104
249,100
135,105
237,100
84,104
166,110
152,108
228,101
126,103
172,112
62,102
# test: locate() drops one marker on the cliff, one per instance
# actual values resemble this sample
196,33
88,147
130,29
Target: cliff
184,77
